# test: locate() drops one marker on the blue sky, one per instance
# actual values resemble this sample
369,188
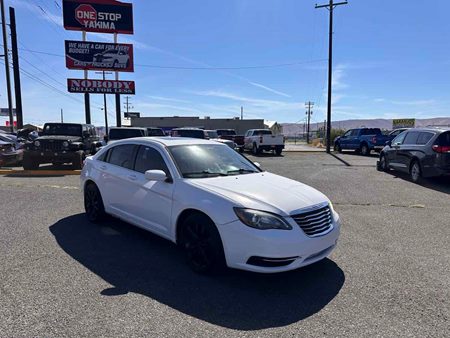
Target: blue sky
391,59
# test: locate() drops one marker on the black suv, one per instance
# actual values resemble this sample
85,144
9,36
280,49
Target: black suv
421,152
61,143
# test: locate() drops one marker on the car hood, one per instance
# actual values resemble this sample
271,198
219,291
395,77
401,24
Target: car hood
60,137
263,191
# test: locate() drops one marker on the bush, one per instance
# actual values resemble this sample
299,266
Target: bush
335,133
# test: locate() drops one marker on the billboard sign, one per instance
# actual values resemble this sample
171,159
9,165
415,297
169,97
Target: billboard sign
403,123
5,112
100,86
102,16
87,55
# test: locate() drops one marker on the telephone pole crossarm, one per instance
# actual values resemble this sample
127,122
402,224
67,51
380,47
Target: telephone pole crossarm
333,5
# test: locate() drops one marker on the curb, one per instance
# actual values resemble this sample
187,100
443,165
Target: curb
13,172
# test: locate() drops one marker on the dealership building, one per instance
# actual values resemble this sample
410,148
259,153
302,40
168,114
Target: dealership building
168,123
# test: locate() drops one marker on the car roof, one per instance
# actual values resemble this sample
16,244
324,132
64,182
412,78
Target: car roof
167,141
128,128
431,129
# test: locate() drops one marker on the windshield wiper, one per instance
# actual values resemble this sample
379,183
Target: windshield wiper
241,171
204,173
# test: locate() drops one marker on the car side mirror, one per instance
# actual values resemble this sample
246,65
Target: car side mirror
156,175
388,143
257,164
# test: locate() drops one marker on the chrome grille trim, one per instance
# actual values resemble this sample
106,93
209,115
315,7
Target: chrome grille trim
316,222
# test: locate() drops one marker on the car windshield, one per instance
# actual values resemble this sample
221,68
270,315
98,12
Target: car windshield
62,129
212,134
120,134
263,132
155,132
190,133
226,132
210,160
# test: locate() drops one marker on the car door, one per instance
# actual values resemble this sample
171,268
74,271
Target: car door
407,150
150,202
391,152
353,141
343,141
116,174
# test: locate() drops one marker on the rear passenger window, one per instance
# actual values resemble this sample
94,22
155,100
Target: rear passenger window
411,137
424,138
122,155
149,158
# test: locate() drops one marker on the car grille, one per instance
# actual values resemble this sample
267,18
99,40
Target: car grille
316,222
48,145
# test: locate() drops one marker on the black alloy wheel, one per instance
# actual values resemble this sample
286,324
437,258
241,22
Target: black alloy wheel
93,203
201,242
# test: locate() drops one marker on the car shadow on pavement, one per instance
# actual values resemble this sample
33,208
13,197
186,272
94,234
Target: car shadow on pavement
441,184
133,260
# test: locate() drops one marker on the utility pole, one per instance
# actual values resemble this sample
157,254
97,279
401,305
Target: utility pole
8,79
16,68
62,116
331,6
242,112
309,112
127,103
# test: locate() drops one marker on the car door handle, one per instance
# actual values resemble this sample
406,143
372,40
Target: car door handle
103,167
132,177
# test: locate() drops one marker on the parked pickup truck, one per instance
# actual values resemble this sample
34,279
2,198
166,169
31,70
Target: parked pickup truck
259,140
230,134
364,140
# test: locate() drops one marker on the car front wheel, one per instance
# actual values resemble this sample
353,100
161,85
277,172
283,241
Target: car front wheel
383,164
202,245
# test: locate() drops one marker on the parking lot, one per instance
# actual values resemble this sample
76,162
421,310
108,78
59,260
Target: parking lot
62,276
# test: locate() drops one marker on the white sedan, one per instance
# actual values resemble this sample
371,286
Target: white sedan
221,208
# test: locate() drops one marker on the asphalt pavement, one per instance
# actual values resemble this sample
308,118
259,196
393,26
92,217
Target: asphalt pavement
61,276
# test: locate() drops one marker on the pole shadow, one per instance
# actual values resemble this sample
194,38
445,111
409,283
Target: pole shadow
133,260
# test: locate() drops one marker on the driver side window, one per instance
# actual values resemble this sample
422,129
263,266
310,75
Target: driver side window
399,139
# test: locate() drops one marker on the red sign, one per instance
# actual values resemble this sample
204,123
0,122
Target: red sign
106,16
93,86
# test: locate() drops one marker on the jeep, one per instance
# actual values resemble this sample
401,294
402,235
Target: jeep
61,143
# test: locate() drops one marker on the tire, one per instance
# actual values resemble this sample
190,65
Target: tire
278,151
77,162
29,163
365,150
241,149
93,203
201,243
415,172
255,150
338,148
383,164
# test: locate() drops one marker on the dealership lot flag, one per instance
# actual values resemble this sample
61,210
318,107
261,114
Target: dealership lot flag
103,16
100,86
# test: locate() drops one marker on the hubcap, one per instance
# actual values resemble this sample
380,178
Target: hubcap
415,171
383,163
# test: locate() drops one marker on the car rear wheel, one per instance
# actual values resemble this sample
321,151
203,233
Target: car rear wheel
415,172
29,163
93,203
278,151
365,150
202,245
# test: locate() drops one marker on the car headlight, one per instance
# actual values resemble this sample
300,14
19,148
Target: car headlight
65,144
37,144
261,220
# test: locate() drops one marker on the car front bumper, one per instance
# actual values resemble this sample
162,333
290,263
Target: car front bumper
268,249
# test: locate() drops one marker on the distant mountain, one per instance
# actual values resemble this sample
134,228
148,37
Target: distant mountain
292,129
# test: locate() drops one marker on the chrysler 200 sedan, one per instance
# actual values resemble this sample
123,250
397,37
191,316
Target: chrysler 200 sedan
221,208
